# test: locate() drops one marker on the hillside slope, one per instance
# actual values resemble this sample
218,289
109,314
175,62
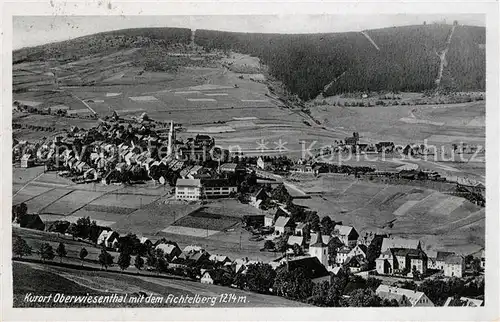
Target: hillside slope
389,59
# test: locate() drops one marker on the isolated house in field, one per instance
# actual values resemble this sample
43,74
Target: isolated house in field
397,242
463,301
415,298
188,189
283,225
454,266
347,235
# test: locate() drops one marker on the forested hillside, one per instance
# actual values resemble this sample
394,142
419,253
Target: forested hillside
402,59
389,59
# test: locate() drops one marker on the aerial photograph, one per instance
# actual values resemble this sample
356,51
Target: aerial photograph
248,161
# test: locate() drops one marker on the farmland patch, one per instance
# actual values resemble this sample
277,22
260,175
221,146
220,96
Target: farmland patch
453,138
41,201
245,118
29,103
211,129
448,205
216,94
123,200
405,207
188,92
189,231
419,121
143,98
72,201
201,100
207,87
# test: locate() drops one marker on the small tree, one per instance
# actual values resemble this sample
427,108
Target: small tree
83,254
46,252
20,247
160,263
61,251
281,245
105,259
260,277
297,250
138,262
268,244
124,260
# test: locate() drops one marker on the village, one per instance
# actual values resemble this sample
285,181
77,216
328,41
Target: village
127,152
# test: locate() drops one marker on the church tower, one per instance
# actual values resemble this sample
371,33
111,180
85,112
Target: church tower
319,249
171,140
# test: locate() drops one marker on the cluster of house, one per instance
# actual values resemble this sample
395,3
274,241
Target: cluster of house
398,256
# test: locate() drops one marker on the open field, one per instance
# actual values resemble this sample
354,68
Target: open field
54,279
436,217
405,124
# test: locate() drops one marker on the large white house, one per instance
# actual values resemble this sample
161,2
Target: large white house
188,189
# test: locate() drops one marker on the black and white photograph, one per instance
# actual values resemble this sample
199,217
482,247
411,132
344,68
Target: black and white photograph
250,161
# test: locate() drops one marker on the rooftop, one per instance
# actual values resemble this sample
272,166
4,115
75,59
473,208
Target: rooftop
188,183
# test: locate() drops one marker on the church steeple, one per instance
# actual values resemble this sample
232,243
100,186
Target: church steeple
171,139
318,240
318,249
